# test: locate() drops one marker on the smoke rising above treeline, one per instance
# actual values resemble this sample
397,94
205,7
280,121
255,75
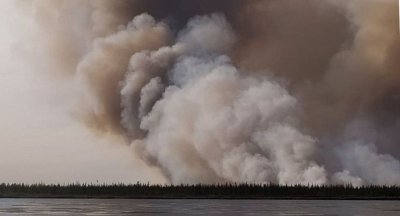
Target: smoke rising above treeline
289,92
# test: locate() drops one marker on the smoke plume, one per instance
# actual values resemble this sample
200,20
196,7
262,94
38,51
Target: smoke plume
288,92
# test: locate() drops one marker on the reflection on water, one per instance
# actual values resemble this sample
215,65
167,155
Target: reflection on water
197,207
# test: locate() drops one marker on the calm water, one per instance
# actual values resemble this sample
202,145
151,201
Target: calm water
196,207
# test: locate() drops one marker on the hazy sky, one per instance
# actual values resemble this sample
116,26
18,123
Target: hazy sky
39,139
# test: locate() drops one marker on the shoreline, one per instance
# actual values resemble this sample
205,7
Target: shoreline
221,191
204,198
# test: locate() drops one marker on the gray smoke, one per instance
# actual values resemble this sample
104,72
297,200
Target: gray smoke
289,92
214,123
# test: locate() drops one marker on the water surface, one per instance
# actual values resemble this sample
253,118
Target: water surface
197,207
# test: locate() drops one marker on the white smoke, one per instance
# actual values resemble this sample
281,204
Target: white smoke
102,69
186,108
149,94
344,178
213,122
363,160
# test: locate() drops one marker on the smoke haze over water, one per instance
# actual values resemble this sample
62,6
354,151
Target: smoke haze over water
235,91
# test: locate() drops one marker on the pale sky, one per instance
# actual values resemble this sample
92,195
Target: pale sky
39,139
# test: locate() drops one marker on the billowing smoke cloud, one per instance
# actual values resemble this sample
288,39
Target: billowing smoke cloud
103,68
238,91
214,123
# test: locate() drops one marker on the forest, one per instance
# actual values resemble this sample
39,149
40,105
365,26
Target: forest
199,191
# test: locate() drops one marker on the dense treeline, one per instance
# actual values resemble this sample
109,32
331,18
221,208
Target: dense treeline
220,191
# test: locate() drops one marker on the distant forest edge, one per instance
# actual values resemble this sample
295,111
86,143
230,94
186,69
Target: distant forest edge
220,191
